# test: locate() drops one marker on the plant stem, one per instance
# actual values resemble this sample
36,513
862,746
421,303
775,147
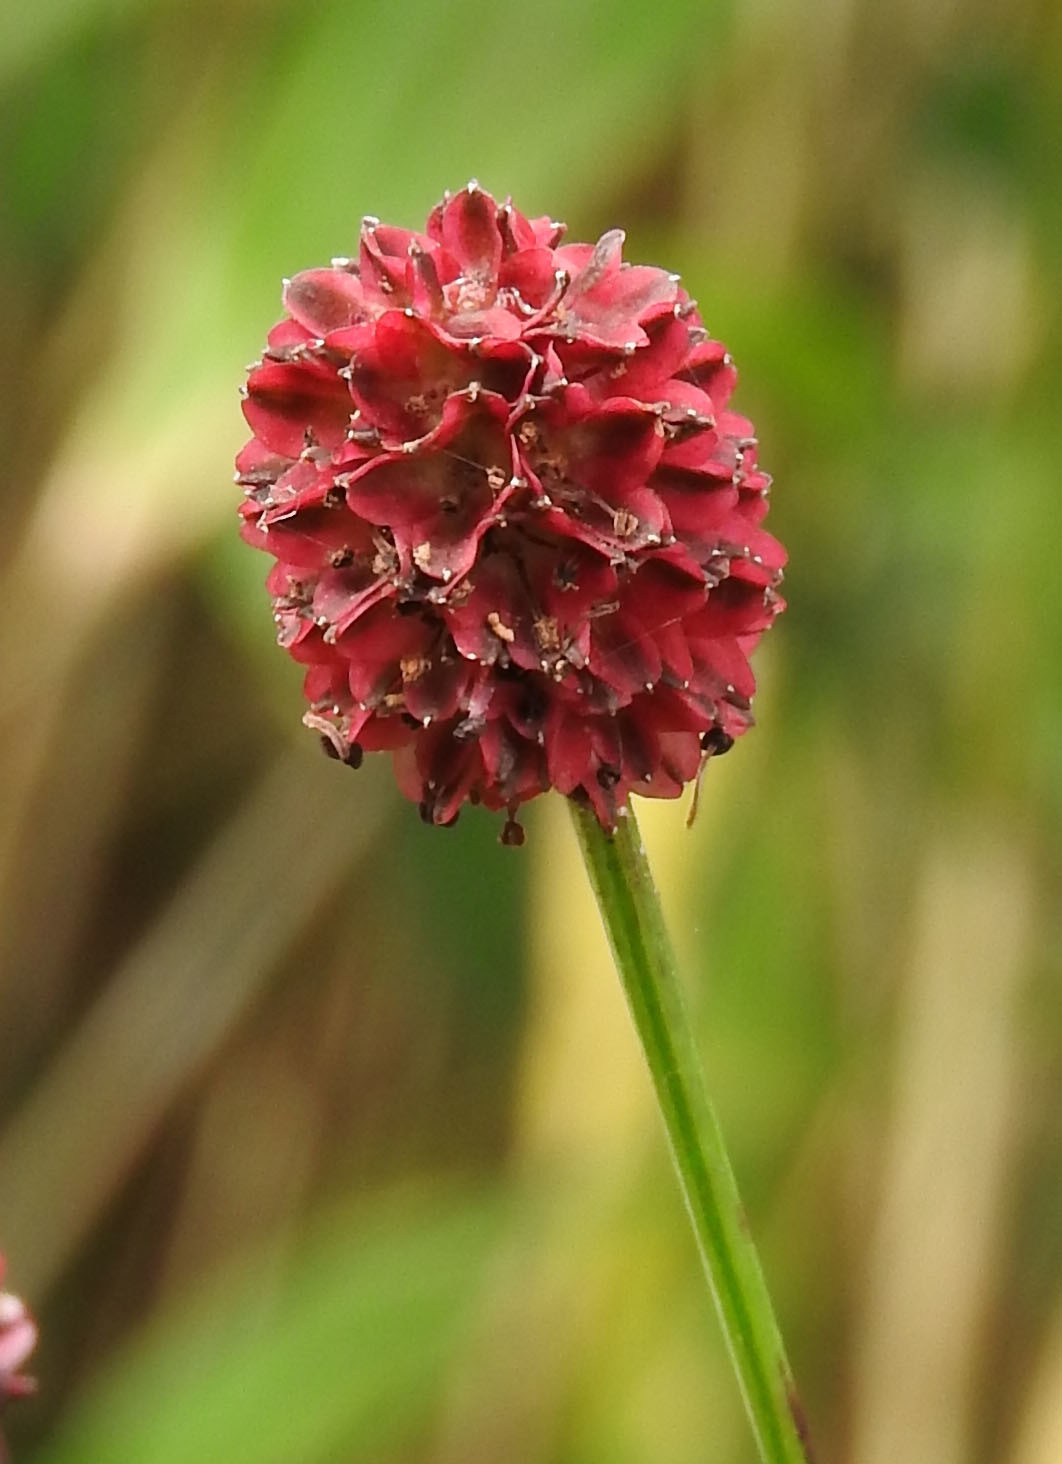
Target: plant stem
630,912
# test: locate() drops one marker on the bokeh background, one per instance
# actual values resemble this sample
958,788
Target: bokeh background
323,1136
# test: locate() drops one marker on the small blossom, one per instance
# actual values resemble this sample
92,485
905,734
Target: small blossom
517,527
18,1337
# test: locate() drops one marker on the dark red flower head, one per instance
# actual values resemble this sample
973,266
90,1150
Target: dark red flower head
516,527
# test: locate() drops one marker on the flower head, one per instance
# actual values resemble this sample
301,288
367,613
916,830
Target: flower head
18,1337
516,526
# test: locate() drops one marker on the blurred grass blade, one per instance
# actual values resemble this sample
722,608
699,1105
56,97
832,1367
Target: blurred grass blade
936,1250
172,1003
342,1361
29,32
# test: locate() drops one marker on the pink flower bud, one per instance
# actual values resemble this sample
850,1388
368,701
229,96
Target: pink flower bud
18,1337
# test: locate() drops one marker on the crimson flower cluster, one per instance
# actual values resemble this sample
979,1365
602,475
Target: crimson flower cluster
516,526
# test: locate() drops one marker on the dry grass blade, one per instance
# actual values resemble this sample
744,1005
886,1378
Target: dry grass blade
171,1004
948,1163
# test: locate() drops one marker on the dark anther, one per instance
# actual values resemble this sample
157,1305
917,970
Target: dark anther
715,742
408,607
426,811
532,705
331,750
355,756
512,834
410,720
608,776
566,575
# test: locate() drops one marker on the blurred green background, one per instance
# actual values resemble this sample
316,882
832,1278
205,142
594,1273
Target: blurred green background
323,1136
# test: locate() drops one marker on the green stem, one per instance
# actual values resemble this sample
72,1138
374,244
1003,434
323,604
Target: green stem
630,911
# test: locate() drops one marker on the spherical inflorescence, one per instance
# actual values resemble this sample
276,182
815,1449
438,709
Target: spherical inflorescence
516,528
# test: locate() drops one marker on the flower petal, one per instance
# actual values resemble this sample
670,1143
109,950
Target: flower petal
470,232
324,300
291,407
